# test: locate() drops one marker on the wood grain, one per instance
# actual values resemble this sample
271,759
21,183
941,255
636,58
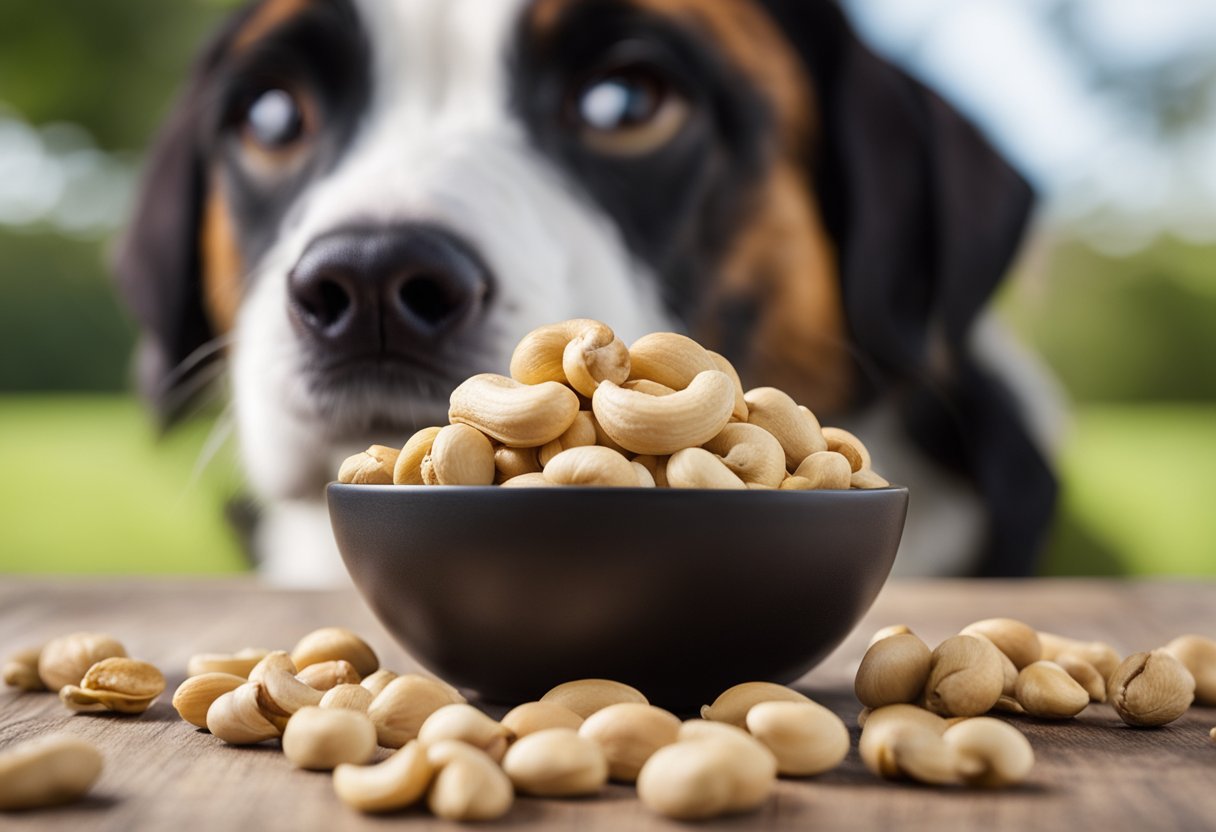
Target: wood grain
1091,773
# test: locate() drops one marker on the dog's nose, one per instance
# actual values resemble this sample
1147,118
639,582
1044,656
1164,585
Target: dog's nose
385,290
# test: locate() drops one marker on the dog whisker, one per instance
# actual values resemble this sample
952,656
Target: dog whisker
222,431
186,399
194,360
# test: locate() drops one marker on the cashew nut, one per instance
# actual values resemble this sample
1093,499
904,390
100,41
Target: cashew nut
1101,655
757,772
656,466
591,465
1045,690
241,663
514,462
1010,674
1085,675
275,660
348,697
645,478
378,681
905,741
194,696
400,709
332,644
534,480
707,773
586,696
780,415
824,470
665,424
805,737
732,704
1198,655
849,446
581,433
751,453
1150,689
396,783
698,468
580,352
990,753
556,762
628,733
321,739
888,631
650,388
468,785
460,721
47,771
460,455
531,717
1018,641
280,695
602,438
408,468
325,675
21,670
118,684
670,359
966,677
739,414
371,467
893,670
867,478
520,415
64,660
235,717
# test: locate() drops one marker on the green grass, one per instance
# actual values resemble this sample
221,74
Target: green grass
1139,492
87,488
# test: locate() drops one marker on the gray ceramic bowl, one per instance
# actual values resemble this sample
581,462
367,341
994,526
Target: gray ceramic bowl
507,592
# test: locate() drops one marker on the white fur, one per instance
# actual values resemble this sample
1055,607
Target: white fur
438,144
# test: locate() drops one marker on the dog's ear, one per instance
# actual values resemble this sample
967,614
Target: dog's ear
927,218
157,261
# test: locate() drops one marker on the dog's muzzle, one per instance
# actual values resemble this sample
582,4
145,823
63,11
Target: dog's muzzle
387,292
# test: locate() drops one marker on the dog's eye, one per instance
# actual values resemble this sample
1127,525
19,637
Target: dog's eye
274,120
628,111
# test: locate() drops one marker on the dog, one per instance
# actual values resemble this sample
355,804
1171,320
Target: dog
356,204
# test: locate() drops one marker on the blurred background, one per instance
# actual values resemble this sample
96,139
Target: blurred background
1108,106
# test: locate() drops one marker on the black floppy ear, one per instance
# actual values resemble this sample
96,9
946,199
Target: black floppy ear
927,218
157,260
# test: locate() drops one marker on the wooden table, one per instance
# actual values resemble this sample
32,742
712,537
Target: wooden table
161,773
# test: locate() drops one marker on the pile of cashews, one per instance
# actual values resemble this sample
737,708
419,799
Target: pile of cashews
581,408
924,710
396,741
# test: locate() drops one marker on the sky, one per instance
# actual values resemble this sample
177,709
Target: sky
1073,107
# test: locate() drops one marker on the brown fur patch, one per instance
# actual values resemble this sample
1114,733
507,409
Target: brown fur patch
269,16
222,265
782,263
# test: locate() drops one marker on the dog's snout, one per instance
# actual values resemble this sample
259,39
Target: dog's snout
387,290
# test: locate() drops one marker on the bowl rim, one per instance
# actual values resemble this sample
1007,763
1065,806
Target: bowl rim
601,489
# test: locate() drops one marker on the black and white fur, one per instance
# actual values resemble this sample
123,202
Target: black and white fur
434,114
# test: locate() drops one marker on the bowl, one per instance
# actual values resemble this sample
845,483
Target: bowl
680,593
